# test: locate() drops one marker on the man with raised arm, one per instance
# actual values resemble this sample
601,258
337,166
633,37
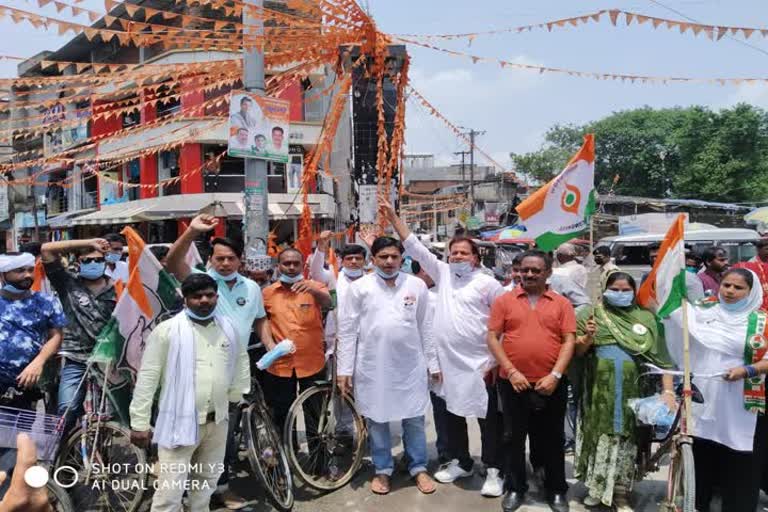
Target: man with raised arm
240,301
462,310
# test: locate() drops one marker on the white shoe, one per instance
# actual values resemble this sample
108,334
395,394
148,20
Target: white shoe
494,485
589,501
451,472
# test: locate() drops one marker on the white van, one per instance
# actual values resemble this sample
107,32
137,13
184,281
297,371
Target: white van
631,251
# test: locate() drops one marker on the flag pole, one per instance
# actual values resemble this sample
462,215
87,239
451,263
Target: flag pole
687,424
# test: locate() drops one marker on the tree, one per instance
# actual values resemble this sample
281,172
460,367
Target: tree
679,152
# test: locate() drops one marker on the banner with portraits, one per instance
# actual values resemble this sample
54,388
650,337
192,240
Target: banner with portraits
258,127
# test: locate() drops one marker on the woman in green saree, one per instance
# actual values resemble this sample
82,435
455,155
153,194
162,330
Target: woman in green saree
616,337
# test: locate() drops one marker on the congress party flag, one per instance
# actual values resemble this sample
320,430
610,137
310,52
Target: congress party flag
561,209
664,289
146,300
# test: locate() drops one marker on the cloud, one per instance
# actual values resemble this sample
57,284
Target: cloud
482,97
754,94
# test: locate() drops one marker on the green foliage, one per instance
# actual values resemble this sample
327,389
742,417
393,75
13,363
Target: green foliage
680,152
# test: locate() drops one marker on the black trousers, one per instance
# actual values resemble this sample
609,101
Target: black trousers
491,434
531,414
441,428
281,392
736,475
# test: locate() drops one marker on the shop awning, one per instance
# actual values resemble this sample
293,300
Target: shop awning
230,205
123,213
65,219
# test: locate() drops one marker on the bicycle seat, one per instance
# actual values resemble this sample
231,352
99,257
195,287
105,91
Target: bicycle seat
696,395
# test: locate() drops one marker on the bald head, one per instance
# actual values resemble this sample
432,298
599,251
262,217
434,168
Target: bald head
566,253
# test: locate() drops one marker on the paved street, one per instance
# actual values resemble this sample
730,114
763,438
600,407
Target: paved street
464,496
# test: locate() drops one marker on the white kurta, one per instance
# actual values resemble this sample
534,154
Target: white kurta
461,328
722,417
385,343
575,271
317,272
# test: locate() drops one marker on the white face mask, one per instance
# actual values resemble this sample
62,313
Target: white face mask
352,273
461,268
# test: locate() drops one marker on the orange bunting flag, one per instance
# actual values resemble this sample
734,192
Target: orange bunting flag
333,262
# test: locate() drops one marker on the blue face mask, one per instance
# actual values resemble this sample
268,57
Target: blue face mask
112,257
734,307
352,273
461,268
8,287
284,278
385,275
619,299
692,270
194,316
92,271
219,277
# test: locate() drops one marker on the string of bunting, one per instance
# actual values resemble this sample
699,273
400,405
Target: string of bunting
632,78
714,32
455,129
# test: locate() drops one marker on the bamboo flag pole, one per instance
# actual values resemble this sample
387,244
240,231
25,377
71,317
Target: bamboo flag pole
688,423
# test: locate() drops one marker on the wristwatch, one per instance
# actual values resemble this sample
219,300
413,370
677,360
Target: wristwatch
556,375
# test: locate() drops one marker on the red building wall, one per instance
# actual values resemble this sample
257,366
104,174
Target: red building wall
148,164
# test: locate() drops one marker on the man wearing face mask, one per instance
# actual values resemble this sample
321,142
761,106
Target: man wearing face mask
462,310
294,308
117,269
200,367
30,331
386,357
352,261
88,300
240,301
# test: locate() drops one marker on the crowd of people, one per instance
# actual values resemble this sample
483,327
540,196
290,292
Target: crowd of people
411,332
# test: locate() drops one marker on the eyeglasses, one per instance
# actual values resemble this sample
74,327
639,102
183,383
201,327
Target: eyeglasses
534,271
92,260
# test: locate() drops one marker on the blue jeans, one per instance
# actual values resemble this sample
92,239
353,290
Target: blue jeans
414,441
71,375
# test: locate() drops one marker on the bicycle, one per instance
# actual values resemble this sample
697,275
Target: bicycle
677,445
45,430
325,435
266,453
103,469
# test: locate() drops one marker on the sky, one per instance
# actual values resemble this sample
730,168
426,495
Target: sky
515,108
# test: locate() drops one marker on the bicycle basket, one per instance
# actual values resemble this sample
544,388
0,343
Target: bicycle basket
44,429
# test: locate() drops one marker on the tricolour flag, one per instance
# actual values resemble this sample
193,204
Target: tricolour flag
144,302
664,289
561,209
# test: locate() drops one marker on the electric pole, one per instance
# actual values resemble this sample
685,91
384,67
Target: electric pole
256,202
472,135
463,154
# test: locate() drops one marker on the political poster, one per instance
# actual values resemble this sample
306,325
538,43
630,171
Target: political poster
258,127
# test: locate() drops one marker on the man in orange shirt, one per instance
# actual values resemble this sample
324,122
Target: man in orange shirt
294,308
538,328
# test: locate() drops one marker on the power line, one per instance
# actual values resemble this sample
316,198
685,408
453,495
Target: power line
741,42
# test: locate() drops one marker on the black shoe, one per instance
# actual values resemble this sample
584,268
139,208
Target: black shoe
559,503
512,501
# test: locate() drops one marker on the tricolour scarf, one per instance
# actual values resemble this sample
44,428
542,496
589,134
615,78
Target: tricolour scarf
754,350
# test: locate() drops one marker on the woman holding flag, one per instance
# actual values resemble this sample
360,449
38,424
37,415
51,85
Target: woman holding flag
728,353
616,336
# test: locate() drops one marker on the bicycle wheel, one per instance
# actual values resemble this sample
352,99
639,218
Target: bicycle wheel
267,456
113,478
58,498
681,484
325,436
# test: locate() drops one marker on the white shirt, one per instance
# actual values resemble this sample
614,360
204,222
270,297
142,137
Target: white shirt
461,326
575,271
385,343
120,272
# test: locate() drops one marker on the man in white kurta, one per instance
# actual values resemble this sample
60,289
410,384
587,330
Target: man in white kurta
385,348
464,298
